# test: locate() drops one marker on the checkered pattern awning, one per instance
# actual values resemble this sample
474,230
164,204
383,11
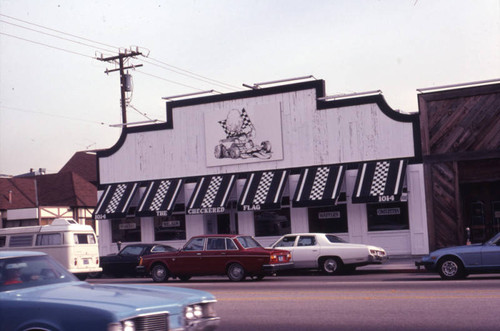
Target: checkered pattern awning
379,181
263,190
115,200
211,194
319,186
159,198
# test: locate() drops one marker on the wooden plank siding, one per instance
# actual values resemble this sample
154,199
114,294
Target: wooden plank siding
460,129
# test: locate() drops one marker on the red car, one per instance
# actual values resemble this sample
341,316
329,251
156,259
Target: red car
236,256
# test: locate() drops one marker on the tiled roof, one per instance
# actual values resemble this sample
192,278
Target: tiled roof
83,164
66,189
17,193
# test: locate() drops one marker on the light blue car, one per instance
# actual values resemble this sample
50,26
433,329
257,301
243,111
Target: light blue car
458,262
37,293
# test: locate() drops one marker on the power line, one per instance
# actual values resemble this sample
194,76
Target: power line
58,31
46,45
55,36
52,115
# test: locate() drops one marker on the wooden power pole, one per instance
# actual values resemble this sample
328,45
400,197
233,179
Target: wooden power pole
121,60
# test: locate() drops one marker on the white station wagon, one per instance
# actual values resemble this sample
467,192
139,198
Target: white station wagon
328,252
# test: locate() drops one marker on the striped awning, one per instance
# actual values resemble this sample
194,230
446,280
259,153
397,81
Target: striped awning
379,181
115,201
319,186
159,198
263,190
211,194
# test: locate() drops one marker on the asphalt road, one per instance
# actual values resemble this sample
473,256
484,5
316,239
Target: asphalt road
379,301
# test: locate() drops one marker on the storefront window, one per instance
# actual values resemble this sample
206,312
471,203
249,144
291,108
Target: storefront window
272,223
387,216
170,228
328,219
126,229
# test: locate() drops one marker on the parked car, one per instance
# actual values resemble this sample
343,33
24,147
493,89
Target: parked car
328,252
236,256
127,259
460,261
37,293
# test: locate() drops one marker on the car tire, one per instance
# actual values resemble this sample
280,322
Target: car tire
331,265
451,268
236,272
159,273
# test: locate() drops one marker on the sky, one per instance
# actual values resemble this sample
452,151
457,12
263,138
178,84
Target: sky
56,99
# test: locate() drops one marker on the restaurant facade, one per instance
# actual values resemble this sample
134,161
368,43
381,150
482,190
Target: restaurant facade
267,162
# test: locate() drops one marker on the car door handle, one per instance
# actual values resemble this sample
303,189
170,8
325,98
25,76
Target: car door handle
198,253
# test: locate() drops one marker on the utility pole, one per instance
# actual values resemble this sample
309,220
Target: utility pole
122,57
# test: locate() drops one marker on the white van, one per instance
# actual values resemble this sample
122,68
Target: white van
72,244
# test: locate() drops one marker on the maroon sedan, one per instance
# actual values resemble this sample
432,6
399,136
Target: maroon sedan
236,256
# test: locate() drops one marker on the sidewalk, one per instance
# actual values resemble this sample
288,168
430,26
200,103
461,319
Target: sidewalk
395,264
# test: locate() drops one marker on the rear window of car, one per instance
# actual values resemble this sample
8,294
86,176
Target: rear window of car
248,242
84,238
335,239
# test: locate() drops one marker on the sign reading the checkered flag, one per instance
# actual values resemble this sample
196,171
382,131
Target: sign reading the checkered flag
211,194
250,133
159,198
319,186
379,181
263,190
115,201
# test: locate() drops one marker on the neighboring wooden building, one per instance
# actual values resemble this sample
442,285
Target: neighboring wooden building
460,131
267,162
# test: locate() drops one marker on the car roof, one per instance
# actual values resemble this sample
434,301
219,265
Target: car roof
220,235
9,254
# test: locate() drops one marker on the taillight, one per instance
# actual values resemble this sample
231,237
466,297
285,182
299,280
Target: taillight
76,261
97,261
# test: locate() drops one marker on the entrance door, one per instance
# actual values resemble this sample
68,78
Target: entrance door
481,209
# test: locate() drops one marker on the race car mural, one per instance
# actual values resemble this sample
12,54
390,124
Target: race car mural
239,143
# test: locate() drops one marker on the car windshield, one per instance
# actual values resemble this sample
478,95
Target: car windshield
30,271
495,240
334,239
248,242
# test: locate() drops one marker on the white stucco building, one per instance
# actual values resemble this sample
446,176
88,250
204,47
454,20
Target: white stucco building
266,162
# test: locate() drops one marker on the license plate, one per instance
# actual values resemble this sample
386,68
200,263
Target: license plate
86,261
281,258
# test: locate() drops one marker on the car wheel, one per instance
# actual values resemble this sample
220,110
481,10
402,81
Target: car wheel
451,268
331,265
159,273
235,272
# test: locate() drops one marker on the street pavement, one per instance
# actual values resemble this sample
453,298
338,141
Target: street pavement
396,263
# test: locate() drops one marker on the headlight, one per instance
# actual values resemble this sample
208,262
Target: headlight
123,326
199,311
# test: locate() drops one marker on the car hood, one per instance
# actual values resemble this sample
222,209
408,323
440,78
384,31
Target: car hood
456,249
122,300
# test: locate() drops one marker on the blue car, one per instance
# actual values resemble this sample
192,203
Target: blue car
458,262
37,293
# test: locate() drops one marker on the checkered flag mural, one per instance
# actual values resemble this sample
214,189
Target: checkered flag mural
379,181
115,200
159,198
319,186
263,190
211,194
246,122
